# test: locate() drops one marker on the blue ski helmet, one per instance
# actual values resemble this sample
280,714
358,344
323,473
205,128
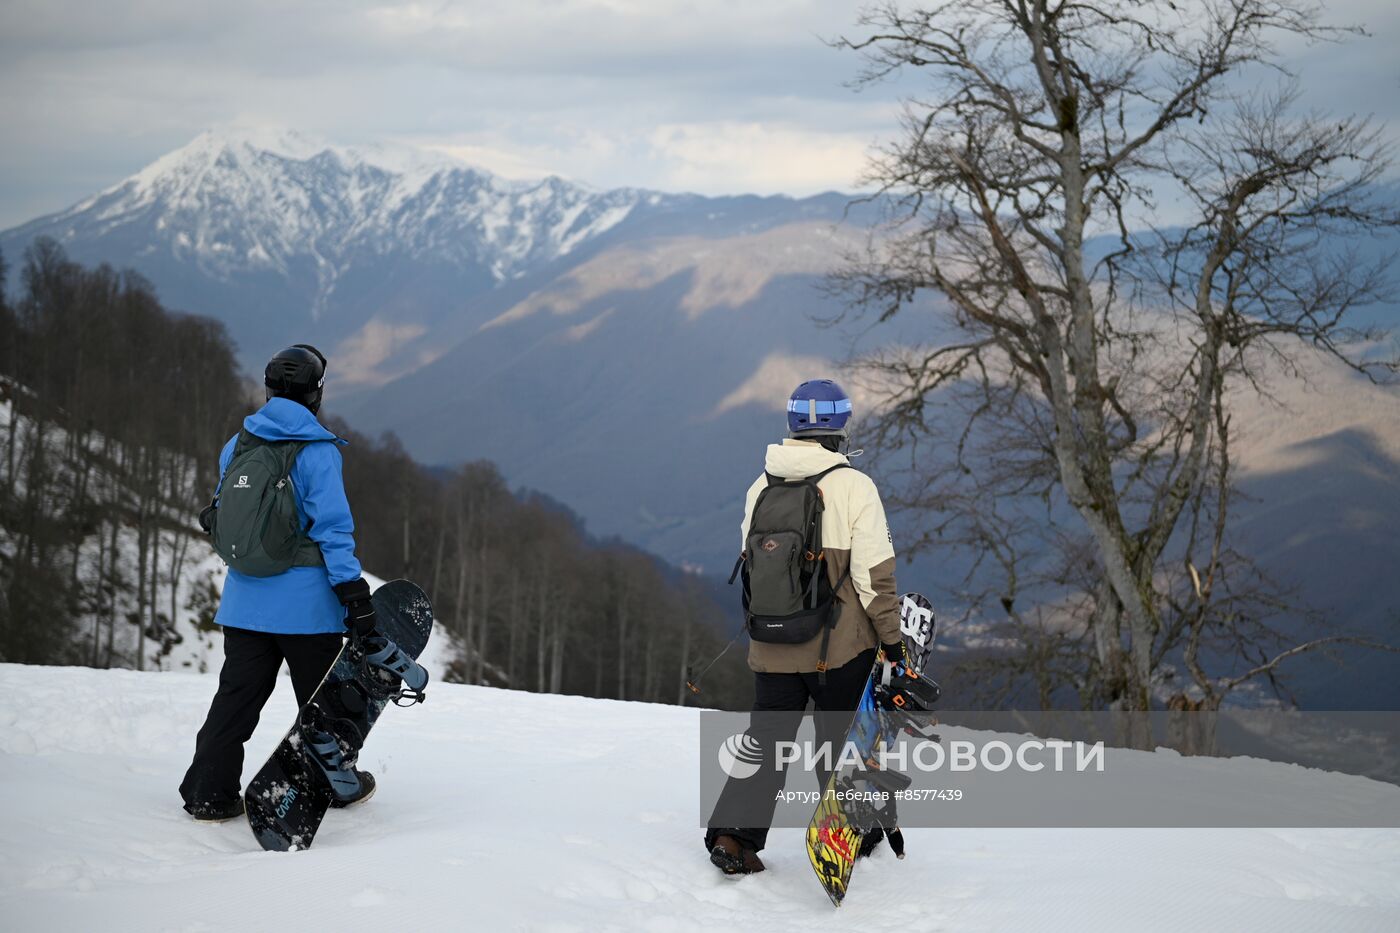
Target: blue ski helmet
818,408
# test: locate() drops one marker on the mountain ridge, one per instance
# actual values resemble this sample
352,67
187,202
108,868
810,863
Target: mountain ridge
233,204
287,238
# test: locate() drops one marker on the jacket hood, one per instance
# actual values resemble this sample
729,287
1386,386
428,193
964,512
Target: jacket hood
794,459
282,419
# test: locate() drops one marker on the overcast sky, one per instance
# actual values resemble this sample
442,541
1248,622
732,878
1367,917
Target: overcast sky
714,96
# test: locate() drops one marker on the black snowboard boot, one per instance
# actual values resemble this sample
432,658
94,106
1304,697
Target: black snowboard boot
215,811
732,857
366,791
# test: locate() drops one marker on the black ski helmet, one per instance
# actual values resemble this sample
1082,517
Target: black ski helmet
297,373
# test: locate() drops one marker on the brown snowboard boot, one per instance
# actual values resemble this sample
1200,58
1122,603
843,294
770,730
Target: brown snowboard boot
732,857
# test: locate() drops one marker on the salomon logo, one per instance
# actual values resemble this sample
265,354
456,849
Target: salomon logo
740,756
285,805
242,483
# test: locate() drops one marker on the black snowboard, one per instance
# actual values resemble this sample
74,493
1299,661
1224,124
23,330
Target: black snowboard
289,796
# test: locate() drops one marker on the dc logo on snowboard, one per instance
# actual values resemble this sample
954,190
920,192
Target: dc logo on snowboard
740,756
916,621
242,483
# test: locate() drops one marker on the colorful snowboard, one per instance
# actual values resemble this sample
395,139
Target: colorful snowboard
289,796
838,826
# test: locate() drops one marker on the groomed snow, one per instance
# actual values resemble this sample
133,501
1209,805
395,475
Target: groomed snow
510,811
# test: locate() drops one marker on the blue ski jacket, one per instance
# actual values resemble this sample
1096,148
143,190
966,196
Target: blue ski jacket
299,601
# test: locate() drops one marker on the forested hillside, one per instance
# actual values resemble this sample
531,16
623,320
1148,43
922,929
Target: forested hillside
115,412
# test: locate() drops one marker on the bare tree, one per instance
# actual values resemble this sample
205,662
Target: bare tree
1073,398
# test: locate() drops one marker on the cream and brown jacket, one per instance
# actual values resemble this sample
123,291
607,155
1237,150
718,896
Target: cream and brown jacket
854,536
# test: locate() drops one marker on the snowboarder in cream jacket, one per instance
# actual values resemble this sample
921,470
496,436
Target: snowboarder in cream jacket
831,669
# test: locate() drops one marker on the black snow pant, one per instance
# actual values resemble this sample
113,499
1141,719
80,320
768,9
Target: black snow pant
249,674
834,703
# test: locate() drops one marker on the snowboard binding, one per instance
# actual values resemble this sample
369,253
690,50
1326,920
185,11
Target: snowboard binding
394,674
886,829
327,751
906,699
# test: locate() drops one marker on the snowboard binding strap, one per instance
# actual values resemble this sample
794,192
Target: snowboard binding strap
382,655
906,700
323,749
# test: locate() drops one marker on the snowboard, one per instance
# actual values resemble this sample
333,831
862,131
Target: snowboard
287,799
838,826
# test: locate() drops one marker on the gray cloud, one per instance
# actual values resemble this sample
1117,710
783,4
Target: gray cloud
715,96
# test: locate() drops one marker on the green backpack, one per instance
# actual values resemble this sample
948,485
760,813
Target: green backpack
252,520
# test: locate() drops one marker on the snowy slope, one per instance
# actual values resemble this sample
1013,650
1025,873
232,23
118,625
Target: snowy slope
510,811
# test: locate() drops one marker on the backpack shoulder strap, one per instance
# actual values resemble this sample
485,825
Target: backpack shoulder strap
813,479
240,446
308,551
247,440
288,451
818,477
293,450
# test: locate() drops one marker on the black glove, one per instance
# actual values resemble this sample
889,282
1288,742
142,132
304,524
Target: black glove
206,517
359,611
895,653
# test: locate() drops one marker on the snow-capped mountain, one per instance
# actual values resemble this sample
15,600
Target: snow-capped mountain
377,251
237,203
278,234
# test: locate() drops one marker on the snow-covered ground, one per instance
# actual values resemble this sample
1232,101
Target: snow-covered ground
500,810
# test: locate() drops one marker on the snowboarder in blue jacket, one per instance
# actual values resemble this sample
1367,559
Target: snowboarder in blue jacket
299,615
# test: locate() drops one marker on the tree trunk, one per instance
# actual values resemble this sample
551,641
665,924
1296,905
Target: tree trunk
514,623
143,555
682,692
483,601
114,520
153,604
622,633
